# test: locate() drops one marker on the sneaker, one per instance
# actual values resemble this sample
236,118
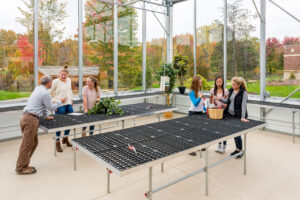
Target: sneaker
193,154
235,152
239,156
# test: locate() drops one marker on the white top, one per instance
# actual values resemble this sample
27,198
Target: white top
61,89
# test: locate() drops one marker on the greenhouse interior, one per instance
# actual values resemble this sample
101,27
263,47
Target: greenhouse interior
150,99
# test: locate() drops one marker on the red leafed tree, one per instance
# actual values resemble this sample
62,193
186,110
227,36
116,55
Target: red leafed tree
274,55
26,50
290,40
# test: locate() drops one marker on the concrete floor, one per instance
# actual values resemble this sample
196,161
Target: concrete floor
273,173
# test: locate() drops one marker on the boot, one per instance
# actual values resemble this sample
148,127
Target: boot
58,147
83,134
65,140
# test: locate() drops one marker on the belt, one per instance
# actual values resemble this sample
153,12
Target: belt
33,115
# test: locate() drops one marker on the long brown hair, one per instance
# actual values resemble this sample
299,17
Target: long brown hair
195,85
240,82
216,87
95,81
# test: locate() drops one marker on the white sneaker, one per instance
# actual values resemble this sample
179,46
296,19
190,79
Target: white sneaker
219,149
222,150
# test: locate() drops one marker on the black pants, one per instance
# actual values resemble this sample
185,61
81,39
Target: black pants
238,142
195,113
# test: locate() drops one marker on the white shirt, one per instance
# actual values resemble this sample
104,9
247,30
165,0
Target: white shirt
61,89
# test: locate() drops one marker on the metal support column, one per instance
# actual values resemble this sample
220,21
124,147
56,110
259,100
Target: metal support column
225,44
108,180
74,151
245,154
195,37
262,55
263,50
150,184
80,48
144,37
36,42
206,172
294,127
169,25
116,47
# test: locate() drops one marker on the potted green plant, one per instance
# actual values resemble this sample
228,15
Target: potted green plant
171,72
180,63
109,106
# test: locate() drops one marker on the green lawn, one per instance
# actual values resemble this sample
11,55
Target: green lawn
4,95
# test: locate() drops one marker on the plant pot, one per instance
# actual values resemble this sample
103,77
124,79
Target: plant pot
181,90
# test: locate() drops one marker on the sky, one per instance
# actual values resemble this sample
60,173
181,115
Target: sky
279,24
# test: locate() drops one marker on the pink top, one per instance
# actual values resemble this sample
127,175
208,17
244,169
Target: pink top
220,96
91,96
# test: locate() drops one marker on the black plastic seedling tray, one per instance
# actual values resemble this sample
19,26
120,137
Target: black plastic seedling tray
161,139
62,120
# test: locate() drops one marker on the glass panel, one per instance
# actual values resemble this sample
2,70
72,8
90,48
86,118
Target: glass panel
98,41
130,47
58,38
283,49
16,49
156,48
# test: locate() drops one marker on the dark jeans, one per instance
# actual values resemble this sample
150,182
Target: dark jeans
63,110
224,142
238,142
91,129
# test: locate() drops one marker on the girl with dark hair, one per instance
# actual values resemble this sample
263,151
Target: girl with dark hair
220,92
91,94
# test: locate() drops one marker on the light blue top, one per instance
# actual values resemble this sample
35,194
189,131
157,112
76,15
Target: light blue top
193,98
39,101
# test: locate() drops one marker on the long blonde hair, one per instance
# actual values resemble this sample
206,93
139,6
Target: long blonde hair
240,82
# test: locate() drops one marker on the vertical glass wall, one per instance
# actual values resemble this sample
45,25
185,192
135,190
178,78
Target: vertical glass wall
156,47
183,32
58,38
130,47
16,48
210,31
98,41
283,49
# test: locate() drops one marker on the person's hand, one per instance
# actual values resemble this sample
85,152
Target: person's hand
49,118
244,120
63,100
85,111
217,99
200,95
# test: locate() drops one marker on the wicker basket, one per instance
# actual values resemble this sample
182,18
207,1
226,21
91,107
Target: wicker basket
168,115
215,113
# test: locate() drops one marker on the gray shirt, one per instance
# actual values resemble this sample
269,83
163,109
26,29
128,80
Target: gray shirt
39,101
231,105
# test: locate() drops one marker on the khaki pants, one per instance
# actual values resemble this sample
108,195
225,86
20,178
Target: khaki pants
29,126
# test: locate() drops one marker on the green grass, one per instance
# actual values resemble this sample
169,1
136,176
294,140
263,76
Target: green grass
155,85
275,91
4,95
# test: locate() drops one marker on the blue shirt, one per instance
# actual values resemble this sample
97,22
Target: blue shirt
193,98
39,101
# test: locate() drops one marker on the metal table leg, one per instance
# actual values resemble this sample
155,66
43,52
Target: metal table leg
158,117
74,150
123,124
54,145
293,127
245,154
201,153
150,184
134,123
108,180
99,128
162,167
206,172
